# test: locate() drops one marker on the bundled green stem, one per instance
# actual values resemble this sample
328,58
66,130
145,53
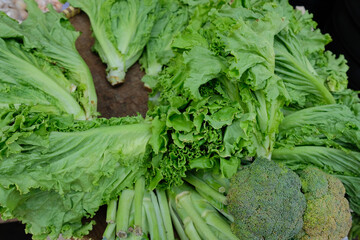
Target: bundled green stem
195,217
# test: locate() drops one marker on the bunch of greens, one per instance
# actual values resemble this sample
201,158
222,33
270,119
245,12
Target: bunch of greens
219,101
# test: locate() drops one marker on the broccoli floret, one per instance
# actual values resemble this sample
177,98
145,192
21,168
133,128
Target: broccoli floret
327,214
266,202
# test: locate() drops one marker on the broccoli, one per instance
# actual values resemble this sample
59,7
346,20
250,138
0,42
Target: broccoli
266,202
327,214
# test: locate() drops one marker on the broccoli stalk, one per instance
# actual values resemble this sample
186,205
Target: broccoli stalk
109,233
140,214
138,200
195,218
123,213
214,197
165,213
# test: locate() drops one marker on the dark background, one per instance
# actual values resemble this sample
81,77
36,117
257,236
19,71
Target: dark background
341,19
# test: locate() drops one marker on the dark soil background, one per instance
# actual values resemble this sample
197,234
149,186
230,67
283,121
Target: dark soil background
127,99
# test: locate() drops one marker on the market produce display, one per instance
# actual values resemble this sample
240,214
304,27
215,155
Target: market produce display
251,131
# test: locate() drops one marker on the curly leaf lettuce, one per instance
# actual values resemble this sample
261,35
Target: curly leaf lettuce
219,98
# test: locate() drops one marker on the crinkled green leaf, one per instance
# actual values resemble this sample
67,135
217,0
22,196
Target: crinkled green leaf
172,17
77,165
331,69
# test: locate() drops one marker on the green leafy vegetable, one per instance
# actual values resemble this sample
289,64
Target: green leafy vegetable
121,30
43,161
41,66
172,17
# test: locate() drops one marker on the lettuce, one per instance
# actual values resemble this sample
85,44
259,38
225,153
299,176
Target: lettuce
172,18
219,97
40,66
71,167
121,30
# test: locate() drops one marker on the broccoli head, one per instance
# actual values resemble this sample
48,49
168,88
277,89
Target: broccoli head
327,214
266,202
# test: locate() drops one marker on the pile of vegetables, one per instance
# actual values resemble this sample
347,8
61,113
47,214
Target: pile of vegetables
251,131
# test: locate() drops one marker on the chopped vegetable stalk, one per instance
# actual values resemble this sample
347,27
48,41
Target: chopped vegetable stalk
179,226
123,213
159,219
165,214
138,205
190,229
212,217
151,216
111,211
183,202
109,233
205,189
